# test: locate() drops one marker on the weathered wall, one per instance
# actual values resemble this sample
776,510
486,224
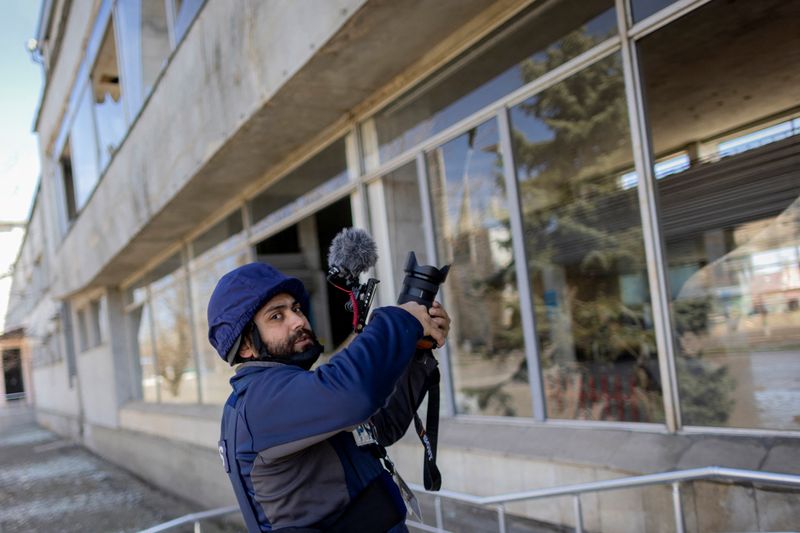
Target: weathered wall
177,452
259,90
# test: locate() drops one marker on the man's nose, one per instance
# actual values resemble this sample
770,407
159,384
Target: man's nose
298,321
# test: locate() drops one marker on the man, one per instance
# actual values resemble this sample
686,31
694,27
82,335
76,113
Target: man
286,439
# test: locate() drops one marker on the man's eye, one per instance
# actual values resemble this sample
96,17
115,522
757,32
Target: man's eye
275,317
298,310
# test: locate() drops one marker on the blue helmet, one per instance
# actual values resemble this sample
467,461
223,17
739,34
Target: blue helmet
236,298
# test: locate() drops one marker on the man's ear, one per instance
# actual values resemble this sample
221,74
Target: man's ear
246,349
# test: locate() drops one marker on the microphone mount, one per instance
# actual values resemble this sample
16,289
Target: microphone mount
361,295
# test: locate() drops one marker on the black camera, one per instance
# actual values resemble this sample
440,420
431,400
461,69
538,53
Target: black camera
421,282
421,285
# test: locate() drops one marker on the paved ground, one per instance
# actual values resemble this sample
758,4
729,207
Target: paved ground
48,483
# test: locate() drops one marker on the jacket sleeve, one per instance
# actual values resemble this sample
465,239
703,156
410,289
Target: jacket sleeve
391,421
288,405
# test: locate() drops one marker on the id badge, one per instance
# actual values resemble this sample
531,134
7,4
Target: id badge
364,434
408,496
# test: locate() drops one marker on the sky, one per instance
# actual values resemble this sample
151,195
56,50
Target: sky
20,87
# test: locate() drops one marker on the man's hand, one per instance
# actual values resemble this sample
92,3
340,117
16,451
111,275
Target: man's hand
435,321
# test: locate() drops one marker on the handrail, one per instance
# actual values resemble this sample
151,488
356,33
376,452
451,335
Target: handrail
193,517
675,477
708,472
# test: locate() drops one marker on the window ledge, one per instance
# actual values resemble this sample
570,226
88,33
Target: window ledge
194,424
624,450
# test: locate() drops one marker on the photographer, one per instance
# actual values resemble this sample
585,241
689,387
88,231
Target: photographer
286,439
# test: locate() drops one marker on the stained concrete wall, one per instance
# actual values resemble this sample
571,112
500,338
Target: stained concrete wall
177,451
53,390
259,90
234,60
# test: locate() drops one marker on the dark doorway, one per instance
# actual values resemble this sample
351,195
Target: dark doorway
301,250
330,221
12,374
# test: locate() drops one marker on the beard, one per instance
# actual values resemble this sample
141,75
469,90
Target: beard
286,348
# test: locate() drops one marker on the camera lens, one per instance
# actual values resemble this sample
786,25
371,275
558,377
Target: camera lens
421,282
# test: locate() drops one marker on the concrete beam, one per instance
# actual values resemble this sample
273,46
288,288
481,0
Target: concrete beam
243,92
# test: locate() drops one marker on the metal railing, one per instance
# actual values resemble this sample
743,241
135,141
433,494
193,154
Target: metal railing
675,478
710,473
194,518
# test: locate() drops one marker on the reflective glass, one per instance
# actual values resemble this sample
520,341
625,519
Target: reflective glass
314,179
166,272
214,372
142,26
107,94
83,151
585,250
177,375
641,9
404,218
185,11
137,292
487,353
143,346
154,43
218,233
531,45
731,216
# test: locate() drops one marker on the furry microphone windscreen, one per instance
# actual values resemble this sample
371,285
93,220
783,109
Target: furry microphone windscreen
353,250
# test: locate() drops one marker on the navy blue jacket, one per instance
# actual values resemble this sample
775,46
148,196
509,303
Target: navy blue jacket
286,440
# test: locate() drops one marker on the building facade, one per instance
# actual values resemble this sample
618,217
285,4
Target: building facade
615,183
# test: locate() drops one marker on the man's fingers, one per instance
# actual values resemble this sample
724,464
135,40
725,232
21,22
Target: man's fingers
437,335
435,321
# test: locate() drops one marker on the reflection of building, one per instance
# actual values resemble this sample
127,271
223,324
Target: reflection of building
628,331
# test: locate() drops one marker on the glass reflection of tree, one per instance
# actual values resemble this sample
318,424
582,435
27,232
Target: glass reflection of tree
172,337
582,230
471,210
704,390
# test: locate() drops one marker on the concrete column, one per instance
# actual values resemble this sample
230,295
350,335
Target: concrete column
124,372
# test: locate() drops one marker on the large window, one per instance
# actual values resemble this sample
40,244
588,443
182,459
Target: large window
144,31
311,181
161,324
503,62
106,90
399,193
184,12
472,229
722,84
585,250
132,46
80,163
215,252
641,9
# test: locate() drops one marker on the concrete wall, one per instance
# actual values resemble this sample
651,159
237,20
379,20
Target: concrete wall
97,391
53,390
190,471
177,451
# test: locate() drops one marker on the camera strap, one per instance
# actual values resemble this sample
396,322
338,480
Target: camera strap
430,473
